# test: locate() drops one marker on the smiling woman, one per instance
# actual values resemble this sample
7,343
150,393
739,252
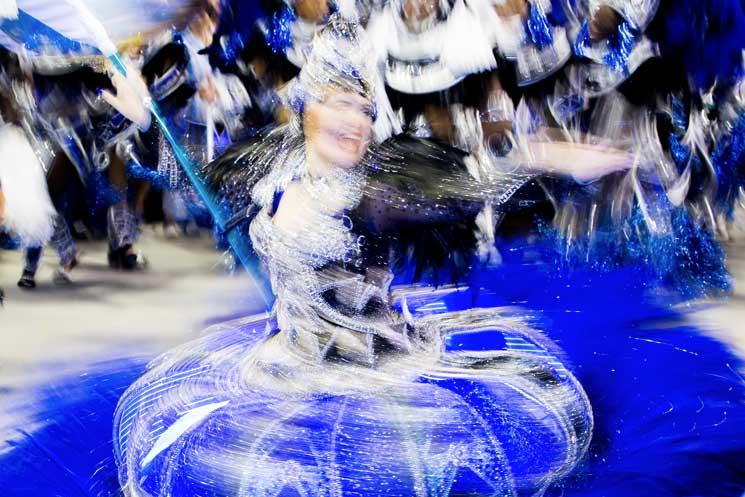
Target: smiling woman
337,383
337,130
410,350
348,388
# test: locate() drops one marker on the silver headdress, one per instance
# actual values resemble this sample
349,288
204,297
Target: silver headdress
342,56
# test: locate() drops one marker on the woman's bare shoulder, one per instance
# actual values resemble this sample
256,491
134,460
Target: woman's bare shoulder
290,211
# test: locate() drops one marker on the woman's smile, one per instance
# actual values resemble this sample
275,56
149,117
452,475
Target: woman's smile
351,143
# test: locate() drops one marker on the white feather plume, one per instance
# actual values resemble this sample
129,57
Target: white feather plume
28,211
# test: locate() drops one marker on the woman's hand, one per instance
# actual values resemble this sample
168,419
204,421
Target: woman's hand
583,162
132,98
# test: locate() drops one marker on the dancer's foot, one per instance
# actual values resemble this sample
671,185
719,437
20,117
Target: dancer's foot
133,259
62,275
126,258
171,231
27,280
191,229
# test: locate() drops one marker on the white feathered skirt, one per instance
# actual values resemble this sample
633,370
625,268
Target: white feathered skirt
27,212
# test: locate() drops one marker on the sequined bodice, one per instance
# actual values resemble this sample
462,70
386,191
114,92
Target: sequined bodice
322,297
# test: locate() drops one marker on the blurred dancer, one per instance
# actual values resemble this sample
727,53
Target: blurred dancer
308,191
29,212
57,180
204,124
114,150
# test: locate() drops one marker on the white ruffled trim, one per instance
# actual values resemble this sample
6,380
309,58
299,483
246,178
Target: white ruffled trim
460,46
381,31
468,49
420,79
29,212
8,9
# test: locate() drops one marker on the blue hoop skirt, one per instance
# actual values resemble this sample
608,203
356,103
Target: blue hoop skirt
495,413
668,405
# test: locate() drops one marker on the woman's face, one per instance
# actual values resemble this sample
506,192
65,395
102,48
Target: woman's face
339,129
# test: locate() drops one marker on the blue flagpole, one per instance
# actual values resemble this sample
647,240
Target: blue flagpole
239,243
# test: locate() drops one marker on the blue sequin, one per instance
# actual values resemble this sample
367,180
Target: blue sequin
100,193
707,37
728,160
153,176
582,42
679,115
620,46
279,36
538,28
231,48
686,258
568,107
680,153
558,16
